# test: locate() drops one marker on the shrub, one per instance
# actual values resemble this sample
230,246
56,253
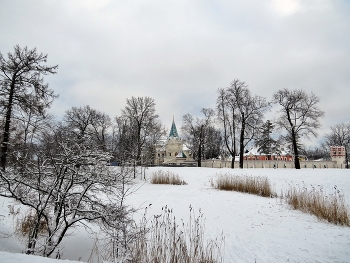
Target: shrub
246,184
162,177
332,207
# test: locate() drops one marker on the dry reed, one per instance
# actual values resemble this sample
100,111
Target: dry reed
162,177
331,207
246,184
166,241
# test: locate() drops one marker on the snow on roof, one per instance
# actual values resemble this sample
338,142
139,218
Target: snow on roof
254,151
181,155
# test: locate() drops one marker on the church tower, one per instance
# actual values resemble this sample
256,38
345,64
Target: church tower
172,150
174,145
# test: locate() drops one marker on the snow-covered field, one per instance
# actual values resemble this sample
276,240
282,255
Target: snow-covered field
256,229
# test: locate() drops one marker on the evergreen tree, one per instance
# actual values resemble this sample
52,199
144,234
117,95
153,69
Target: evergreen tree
266,144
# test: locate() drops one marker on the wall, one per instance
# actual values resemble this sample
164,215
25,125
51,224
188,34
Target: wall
273,164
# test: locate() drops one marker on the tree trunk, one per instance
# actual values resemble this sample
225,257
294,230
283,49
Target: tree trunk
6,135
241,143
296,154
201,138
233,162
199,158
241,149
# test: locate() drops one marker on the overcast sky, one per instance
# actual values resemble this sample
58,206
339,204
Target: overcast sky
180,52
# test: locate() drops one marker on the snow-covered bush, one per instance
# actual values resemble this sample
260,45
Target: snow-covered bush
65,183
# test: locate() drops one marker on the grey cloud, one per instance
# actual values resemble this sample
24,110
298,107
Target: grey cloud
180,52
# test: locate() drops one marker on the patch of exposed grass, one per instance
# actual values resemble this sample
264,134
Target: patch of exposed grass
259,185
166,177
331,207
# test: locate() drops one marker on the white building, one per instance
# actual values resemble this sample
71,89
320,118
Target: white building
338,154
172,149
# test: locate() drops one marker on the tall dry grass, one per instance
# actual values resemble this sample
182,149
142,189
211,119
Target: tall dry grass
168,241
166,177
331,207
259,185
162,239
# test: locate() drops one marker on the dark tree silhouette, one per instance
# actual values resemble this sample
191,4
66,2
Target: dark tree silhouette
22,88
299,116
197,132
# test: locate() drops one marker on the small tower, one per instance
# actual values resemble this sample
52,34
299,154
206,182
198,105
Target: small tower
337,154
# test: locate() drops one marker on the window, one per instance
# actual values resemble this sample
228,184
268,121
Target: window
169,154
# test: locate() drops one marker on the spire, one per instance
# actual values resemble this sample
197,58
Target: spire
173,130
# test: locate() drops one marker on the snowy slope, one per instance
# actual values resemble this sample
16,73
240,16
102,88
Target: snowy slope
256,229
7,257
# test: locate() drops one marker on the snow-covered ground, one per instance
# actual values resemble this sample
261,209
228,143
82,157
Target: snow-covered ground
256,229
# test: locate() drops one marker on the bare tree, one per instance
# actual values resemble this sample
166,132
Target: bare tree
79,120
22,88
33,125
317,153
66,183
89,125
213,143
196,131
299,116
340,136
228,117
101,127
241,115
140,116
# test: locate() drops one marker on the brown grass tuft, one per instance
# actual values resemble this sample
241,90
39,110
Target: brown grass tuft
167,241
246,184
162,177
25,226
332,207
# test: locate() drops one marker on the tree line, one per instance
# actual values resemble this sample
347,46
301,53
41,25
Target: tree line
57,167
227,130
239,119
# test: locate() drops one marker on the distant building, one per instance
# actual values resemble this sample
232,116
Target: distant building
253,154
172,149
337,154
